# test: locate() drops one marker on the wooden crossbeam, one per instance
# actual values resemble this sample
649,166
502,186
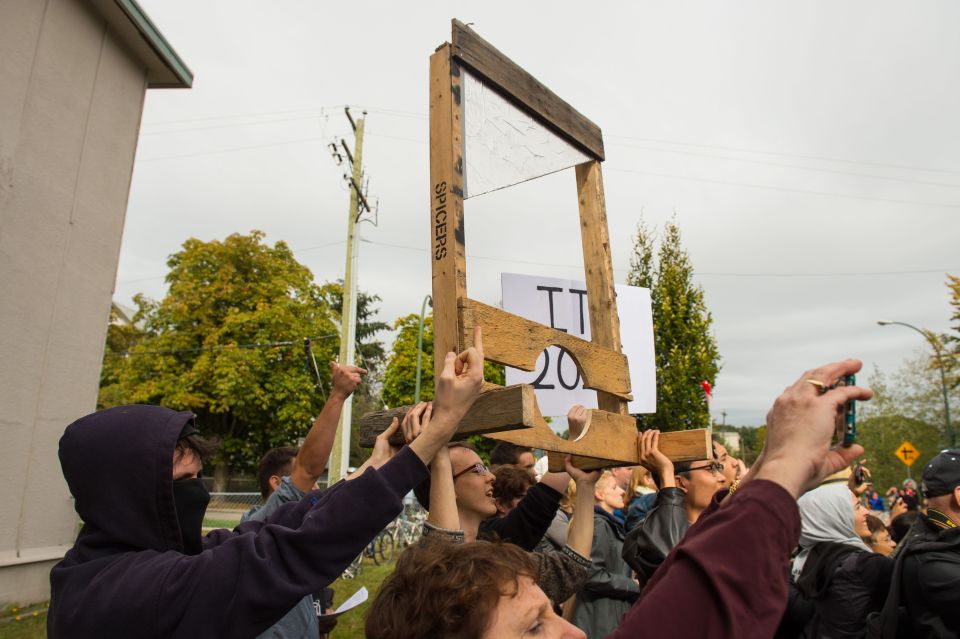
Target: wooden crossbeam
522,88
496,409
515,341
608,439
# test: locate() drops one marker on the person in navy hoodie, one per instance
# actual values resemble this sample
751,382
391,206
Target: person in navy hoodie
140,567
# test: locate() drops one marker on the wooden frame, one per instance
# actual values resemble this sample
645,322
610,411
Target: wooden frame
511,414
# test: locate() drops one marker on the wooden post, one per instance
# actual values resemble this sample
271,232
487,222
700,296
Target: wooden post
446,203
598,267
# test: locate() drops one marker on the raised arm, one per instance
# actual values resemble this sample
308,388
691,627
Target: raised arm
312,459
580,534
761,521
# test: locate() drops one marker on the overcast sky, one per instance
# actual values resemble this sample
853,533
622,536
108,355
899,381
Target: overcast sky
810,153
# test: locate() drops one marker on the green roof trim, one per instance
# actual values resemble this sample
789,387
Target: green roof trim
157,42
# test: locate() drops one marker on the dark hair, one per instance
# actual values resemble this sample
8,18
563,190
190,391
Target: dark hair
443,590
511,482
875,524
274,462
507,453
422,490
900,526
202,447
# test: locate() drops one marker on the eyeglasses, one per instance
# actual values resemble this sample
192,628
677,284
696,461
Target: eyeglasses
715,467
477,468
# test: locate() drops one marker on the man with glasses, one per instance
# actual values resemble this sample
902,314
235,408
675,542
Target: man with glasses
686,490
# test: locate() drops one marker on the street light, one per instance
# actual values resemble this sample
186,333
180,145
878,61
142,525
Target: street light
423,311
928,335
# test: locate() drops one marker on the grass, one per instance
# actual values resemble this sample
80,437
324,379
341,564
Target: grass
26,622
349,626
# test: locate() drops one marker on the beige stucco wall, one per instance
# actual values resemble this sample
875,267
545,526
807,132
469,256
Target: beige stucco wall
70,105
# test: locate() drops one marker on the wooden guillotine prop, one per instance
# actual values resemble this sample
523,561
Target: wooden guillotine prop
465,72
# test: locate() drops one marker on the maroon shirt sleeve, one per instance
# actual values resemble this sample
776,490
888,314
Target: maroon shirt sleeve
727,576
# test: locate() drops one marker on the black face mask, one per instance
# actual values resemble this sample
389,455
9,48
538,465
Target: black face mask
190,497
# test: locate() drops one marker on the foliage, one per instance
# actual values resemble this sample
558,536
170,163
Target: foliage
752,439
880,437
370,352
400,378
226,343
914,391
685,350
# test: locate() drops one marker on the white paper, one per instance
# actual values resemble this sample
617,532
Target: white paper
504,145
352,602
529,296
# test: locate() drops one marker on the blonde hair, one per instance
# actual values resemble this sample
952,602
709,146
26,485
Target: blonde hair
569,496
636,479
601,484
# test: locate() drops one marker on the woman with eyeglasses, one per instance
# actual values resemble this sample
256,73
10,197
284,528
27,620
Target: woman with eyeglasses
686,490
459,498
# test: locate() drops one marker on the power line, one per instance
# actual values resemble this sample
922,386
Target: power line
234,124
231,150
241,115
296,250
784,154
698,273
219,347
786,189
794,166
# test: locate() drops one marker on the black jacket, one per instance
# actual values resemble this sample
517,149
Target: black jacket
930,587
127,576
647,545
846,584
526,524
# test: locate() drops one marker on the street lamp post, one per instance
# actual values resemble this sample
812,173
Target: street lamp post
423,311
928,335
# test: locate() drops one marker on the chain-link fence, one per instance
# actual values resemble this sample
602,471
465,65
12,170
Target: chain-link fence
226,509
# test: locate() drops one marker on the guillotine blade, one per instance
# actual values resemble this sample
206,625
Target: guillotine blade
503,144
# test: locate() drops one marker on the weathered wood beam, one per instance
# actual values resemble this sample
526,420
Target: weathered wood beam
499,408
520,87
515,341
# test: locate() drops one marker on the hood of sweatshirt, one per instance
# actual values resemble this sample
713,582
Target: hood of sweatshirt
118,464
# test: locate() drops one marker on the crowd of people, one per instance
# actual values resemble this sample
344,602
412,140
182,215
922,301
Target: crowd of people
797,545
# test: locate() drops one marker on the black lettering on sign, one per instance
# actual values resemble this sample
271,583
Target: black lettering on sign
580,293
440,221
550,291
576,380
537,383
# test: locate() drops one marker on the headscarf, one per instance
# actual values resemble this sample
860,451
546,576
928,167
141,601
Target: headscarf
826,514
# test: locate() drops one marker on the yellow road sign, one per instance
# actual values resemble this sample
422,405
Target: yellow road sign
907,453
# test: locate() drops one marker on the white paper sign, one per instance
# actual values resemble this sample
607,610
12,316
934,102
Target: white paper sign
355,600
562,304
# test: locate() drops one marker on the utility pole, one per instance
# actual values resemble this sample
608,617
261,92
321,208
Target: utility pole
340,455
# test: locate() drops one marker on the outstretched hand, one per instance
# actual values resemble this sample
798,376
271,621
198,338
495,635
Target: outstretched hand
797,452
345,379
416,421
650,456
578,475
457,387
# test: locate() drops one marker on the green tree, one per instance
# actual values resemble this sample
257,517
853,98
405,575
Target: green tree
880,437
226,343
913,391
400,377
370,352
686,350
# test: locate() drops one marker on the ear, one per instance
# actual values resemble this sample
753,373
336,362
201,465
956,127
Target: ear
274,482
681,482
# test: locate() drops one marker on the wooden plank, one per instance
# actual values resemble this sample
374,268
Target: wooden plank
500,408
682,445
448,255
598,267
524,89
608,439
512,340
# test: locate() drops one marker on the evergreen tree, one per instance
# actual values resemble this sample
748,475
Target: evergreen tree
686,350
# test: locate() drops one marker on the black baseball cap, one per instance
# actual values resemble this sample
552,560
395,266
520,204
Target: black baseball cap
942,474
